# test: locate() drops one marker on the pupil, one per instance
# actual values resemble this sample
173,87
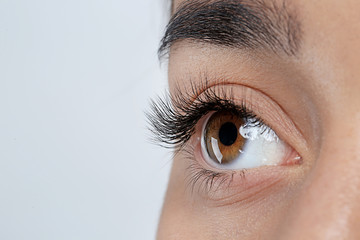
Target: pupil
228,133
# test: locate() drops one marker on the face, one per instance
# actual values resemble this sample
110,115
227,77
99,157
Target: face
264,119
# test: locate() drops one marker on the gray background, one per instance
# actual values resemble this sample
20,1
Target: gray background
75,79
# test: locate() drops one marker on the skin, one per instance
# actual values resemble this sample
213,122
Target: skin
318,92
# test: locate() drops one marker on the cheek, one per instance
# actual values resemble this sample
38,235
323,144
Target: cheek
178,219
245,212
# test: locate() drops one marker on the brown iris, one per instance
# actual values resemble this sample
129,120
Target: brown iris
222,139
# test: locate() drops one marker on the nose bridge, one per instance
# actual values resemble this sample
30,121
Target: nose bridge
328,207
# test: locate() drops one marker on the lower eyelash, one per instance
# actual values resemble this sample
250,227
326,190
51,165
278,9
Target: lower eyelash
206,179
200,179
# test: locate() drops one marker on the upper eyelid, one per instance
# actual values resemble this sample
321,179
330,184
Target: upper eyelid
221,81
188,97
289,127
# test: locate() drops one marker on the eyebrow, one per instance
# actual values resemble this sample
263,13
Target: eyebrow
245,24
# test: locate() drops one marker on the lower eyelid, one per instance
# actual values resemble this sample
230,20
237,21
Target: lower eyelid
242,186
247,190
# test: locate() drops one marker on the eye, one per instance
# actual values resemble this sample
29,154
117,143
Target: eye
230,141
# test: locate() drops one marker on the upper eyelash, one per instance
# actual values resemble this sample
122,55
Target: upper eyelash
173,119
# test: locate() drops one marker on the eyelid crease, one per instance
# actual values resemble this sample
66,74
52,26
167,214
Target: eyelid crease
184,104
206,83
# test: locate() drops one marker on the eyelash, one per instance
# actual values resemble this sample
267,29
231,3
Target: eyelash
173,121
